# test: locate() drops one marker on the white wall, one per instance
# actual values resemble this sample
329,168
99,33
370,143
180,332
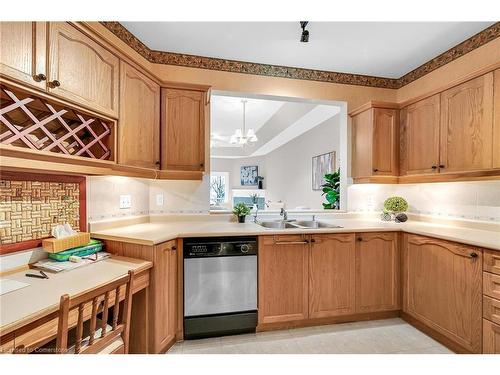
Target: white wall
287,171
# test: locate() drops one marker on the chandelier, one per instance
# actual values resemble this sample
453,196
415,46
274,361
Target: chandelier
242,136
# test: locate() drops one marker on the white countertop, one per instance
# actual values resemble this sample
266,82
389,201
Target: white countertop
42,296
156,232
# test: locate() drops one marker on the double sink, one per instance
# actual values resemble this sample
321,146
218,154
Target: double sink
296,224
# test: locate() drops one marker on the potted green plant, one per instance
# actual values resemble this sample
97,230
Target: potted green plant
241,210
331,190
394,207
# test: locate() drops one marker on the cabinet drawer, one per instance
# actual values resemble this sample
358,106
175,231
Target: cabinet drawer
491,309
491,261
491,337
491,285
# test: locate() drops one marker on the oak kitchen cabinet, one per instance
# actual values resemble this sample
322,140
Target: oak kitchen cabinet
419,132
163,298
58,58
442,288
377,272
305,277
23,52
467,126
375,143
283,268
81,70
331,275
139,130
184,127
164,295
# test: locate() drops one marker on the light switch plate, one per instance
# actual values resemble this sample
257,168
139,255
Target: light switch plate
125,201
159,199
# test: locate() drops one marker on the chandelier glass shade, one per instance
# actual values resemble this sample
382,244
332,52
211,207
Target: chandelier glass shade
241,136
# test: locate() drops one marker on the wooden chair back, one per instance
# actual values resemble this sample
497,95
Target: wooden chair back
97,301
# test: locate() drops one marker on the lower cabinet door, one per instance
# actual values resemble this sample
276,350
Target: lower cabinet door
331,275
491,337
443,288
165,295
283,278
377,272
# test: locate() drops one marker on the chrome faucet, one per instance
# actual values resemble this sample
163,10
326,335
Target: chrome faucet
284,214
255,214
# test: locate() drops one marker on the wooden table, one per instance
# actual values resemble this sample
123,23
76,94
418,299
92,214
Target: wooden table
21,310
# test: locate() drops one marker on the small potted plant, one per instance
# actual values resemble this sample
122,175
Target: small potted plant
394,207
241,210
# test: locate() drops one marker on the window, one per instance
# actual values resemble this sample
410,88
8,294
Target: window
219,188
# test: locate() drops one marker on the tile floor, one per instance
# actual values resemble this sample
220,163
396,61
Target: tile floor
389,336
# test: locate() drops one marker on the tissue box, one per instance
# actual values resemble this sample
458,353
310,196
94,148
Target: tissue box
56,245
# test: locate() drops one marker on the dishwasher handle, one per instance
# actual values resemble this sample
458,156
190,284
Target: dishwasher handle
305,242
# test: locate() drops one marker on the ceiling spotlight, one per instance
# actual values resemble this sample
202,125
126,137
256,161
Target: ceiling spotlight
304,38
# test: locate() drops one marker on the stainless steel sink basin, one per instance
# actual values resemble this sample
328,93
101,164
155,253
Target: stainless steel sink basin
310,224
276,224
303,224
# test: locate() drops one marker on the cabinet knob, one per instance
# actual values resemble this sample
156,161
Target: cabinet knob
359,238
54,83
39,77
441,165
202,165
313,240
157,162
434,167
174,247
473,255
375,170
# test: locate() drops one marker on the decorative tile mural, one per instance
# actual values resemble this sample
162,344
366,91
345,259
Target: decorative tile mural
29,209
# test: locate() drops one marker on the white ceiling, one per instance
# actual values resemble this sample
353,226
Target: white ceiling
226,115
276,122
384,49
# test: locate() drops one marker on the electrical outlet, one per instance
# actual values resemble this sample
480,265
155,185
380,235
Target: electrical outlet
159,199
125,201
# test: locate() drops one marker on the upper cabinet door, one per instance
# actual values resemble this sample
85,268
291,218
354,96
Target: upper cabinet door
139,126
183,130
467,126
81,70
22,52
384,151
362,144
420,137
496,121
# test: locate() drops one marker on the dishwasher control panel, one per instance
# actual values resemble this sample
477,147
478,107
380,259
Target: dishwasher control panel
219,246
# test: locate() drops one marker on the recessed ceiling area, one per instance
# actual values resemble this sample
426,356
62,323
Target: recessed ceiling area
275,122
382,49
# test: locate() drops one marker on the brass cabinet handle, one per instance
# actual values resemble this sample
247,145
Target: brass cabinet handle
434,167
375,170
55,83
441,165
39,77
473,255
360,238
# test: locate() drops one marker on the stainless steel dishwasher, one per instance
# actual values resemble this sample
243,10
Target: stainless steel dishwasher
220,286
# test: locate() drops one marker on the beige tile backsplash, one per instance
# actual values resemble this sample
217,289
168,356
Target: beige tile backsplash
179,197
467,200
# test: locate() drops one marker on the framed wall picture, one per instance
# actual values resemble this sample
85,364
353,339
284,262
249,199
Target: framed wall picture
248,175
321,165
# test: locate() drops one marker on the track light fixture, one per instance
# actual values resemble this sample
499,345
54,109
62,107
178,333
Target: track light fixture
304,38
